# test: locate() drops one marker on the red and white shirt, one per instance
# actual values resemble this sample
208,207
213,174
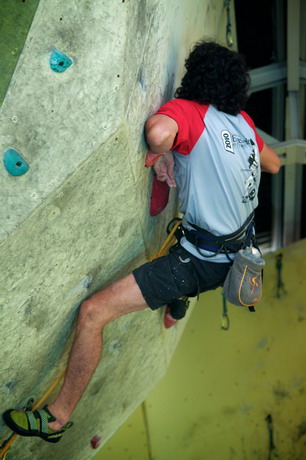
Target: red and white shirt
217,167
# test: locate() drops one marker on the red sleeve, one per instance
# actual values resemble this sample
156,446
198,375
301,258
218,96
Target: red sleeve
189,116
251,123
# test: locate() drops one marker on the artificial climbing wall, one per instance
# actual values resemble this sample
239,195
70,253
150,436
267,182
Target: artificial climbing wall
235,394
77,87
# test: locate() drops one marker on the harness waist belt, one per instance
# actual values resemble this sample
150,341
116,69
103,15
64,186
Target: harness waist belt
231,243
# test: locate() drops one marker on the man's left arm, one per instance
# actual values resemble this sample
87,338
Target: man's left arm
269,160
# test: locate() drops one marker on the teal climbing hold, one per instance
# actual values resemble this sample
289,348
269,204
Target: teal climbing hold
59,62
14,163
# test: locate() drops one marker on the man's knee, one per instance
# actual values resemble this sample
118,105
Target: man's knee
92,311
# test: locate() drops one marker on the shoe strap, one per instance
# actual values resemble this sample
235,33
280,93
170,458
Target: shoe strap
50,416
32,421
43,421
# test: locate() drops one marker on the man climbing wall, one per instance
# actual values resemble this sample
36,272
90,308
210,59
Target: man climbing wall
203,143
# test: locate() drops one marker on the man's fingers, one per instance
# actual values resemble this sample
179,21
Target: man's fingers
164,169
171,170
171,183
166,178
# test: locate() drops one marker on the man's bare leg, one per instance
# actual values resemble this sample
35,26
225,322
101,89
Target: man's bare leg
120,298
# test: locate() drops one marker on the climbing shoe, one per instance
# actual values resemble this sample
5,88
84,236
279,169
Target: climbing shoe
28,423
175,310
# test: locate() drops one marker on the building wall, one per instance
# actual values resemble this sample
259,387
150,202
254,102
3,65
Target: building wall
79,218
222,385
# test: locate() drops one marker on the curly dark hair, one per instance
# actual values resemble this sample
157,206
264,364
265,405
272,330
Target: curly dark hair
215,75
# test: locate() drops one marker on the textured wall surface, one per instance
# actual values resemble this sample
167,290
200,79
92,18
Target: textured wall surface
222,385
78,218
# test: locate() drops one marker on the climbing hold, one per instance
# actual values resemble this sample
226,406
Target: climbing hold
95,442
168,320
159,196
59,62
14,163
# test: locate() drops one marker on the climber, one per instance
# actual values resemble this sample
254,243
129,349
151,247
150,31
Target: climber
203,143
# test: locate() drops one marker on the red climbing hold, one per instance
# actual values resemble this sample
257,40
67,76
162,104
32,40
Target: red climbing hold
168,320
95,442
159,196
151,158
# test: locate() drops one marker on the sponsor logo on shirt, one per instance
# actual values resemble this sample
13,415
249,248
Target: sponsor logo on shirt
252,181
227,141
239,142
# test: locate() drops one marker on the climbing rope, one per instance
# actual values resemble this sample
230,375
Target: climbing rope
169,241
4,447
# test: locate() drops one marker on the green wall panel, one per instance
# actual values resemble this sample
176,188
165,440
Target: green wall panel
16,18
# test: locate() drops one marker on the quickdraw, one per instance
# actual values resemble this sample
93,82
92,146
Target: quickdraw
225,322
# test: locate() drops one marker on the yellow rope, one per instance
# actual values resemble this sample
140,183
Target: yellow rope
169,241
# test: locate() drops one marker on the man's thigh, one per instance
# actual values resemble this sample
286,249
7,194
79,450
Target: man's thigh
166,278
122,297
176,275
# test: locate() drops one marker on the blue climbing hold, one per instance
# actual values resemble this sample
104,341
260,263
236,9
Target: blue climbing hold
14,163
59,62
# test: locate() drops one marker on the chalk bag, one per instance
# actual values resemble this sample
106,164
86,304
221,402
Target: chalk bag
243,284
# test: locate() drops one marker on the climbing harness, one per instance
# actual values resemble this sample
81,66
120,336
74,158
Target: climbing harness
280,287
243,285
203,240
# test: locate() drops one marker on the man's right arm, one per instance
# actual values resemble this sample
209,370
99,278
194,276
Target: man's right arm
269,160
161,131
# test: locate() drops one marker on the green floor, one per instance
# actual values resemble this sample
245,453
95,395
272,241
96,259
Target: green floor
222,385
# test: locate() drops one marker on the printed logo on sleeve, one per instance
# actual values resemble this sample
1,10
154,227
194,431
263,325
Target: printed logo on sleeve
227,141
